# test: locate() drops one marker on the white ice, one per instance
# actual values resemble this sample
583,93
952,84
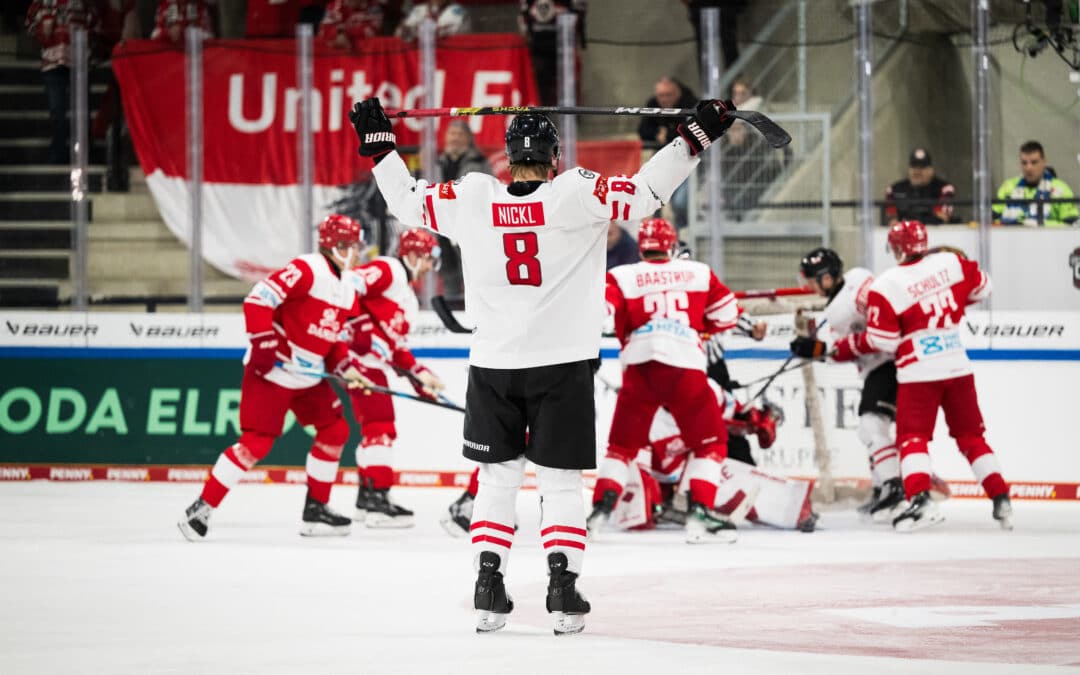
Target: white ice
97,579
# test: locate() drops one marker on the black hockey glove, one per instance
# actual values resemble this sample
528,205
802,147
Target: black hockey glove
808,348
373,128
707,124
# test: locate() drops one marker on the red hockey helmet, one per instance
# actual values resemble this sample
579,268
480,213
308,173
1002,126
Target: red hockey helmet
907,238
418,241
336,228
656,235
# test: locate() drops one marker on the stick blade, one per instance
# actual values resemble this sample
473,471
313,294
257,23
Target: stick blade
773,132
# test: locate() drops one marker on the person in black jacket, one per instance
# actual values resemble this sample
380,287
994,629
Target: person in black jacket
459,157
923,196
668,92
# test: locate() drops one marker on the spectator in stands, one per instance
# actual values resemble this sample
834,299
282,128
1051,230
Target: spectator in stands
743,95
51,23
622,248
349,22
459,157
538,21
450,19
175,16
729,11
668,92
923,196
1036,181
749,165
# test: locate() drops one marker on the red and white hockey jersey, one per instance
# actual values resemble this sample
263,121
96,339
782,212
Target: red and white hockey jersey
308,306
914,310
846,320
533,264
662,307
392,305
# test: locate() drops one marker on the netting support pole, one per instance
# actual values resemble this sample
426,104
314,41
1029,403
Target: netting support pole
194,63
567,53
710,41
864,65
429,130
305,155
980,145
801,57
80,55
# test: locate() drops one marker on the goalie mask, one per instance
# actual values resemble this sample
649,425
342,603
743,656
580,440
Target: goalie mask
907,238
532,138
656,235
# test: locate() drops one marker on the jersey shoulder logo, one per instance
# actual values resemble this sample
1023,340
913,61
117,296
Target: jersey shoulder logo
529,214
586,174
446,190
601,190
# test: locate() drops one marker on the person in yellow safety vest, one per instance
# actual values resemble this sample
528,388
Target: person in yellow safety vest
1037,181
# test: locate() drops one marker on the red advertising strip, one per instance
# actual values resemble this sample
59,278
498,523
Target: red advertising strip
1033,491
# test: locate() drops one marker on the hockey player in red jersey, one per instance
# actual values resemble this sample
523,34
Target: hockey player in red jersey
914,311
391,304
294,318
532,254
660,308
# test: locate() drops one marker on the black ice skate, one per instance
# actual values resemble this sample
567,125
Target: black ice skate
919,515
890,502
383,513
320,521
601,512
563,599
362,495
1003,511
196,520
490,599
864,508
706,526
458,516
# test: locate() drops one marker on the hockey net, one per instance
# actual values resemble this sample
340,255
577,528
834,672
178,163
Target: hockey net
820,400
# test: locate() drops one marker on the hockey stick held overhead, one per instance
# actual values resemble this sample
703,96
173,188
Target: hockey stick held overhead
773,132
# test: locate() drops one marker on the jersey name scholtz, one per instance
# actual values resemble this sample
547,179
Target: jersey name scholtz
530,214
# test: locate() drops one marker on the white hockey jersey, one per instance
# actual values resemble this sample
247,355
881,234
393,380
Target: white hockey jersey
533,264
846,315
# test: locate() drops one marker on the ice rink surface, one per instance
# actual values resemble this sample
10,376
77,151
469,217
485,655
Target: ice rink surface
97,579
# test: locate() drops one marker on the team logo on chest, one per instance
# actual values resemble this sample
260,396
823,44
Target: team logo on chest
530,214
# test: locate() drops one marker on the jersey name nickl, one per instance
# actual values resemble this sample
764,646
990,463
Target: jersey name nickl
530,214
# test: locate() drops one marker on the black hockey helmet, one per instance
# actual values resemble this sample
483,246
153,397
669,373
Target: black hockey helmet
819,261
532,138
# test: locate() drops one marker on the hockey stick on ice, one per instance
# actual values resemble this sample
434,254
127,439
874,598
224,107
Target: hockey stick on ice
446,315
773,132
773,376
784,368
368,387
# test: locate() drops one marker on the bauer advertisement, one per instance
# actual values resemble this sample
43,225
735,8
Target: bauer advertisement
155,396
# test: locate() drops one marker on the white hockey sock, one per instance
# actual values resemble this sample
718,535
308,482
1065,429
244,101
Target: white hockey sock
492,526
886,464
562,514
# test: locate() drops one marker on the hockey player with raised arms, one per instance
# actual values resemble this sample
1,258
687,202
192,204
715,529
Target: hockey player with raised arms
294,319
533,256
845,317
391,304
660,307
914,311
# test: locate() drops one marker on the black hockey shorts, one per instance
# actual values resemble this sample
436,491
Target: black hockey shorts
546,413
879,391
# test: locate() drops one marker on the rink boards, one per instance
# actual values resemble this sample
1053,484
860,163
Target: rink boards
153,397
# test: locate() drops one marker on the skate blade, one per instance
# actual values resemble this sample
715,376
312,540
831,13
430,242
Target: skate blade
1005,523
887,515
377,521
489,622
452,528
910,525
568,624
359,515
323,530
594,525
189,532
702,536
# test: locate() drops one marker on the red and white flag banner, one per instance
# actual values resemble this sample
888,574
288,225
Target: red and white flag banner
251,201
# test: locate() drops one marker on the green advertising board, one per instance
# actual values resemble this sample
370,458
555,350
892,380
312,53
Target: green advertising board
131,411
